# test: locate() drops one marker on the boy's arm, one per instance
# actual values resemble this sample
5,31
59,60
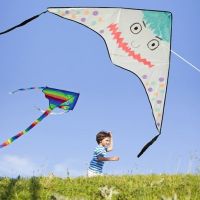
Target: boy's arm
113,158
110,147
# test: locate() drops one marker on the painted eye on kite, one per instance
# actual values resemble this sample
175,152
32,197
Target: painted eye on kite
153,44
136,28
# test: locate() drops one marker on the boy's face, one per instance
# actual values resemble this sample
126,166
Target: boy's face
105,142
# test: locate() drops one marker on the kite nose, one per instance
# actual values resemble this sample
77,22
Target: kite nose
134,44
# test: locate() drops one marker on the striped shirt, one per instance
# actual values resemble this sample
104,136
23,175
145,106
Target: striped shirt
96,165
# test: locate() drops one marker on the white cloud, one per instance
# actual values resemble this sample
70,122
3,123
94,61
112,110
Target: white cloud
12,166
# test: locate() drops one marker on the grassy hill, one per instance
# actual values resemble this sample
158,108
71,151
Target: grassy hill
130,187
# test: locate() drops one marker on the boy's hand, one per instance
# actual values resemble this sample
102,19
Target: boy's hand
110,133
115,158
110,147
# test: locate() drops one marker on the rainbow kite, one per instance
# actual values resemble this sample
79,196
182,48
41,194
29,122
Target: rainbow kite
57,99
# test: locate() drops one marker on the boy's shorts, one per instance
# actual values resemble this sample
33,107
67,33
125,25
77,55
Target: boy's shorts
91,173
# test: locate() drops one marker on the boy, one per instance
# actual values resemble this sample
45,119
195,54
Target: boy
105,144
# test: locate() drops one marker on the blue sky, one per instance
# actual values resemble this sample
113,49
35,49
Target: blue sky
62,54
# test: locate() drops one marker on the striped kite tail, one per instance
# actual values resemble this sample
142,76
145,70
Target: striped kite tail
25,89
37,121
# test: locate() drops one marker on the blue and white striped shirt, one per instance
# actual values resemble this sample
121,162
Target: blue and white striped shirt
96,165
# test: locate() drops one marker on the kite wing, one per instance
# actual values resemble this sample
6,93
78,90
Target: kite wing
60,98
57,98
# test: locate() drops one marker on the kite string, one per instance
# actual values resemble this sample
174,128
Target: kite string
37,121
185,60
52,113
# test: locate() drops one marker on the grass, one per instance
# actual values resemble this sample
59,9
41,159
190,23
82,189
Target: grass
130,187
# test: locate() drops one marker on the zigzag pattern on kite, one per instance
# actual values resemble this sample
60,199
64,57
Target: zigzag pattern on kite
113,28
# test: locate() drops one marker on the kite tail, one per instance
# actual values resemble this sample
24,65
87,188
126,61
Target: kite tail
37,121
22,24
24,89
146,146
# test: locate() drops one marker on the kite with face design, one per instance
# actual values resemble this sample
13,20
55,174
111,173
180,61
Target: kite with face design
137,40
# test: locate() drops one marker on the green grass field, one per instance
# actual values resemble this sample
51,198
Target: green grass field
130,187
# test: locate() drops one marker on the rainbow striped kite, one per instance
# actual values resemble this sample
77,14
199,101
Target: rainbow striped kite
57,99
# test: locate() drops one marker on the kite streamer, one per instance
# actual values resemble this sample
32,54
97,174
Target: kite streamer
25,89
22,24
52,113
57,99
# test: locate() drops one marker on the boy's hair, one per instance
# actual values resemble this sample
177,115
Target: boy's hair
101,135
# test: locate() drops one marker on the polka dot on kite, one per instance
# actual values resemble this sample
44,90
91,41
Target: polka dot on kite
161,79
158,124
86,12
144,76
156,94
162,85
159,115
73,16
101,31
159,101
83,19
162,91
93,23
100,19
150,89
95,13
78,12
67,12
